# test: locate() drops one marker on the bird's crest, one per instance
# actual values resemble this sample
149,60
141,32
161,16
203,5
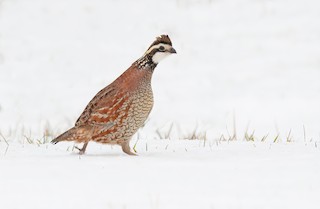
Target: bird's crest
162,39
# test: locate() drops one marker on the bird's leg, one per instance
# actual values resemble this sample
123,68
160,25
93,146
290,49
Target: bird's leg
83,149
126,148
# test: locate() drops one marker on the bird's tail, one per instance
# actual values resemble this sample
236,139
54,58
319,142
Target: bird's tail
70,135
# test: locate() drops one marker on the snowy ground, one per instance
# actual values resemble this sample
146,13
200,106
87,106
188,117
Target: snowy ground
243,66
168,174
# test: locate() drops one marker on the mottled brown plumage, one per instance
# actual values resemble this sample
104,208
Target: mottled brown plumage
115,114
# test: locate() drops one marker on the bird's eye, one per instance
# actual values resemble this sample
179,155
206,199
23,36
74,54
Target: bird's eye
161,48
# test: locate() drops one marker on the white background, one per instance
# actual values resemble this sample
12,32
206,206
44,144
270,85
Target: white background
252,63
255,60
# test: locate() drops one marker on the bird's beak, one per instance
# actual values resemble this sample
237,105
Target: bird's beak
173,51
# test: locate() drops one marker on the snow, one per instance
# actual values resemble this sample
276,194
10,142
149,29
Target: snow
242,67
168,174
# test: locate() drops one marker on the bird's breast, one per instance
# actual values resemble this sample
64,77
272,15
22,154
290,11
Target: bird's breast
142,104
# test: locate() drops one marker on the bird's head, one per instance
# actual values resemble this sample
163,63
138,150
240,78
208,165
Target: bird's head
160,48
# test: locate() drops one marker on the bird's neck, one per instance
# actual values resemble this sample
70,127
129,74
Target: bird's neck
145,63
140,72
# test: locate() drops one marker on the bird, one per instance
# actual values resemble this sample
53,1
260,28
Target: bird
117,111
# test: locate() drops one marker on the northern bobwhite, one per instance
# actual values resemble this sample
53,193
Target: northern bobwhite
115,114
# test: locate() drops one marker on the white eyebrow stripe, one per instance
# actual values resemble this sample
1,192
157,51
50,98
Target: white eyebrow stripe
166,46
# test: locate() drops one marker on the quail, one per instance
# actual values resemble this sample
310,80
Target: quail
116,112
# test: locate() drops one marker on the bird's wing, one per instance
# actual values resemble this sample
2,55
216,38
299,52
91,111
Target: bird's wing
100,108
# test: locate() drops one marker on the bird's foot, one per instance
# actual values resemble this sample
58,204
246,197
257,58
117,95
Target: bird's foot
126,149
83,149
131,153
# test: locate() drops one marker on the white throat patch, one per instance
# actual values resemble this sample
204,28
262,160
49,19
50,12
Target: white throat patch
158,56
